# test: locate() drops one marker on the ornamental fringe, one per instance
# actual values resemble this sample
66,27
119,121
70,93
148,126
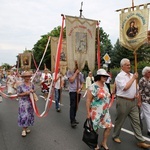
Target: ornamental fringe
80,34
133,37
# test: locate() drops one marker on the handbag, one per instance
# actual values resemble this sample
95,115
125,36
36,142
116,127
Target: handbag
90,137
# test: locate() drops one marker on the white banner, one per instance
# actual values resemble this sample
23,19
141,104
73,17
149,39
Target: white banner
133,28
63,55
80,34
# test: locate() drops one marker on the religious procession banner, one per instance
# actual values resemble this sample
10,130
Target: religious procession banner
80,34
25,60
134,27
63,55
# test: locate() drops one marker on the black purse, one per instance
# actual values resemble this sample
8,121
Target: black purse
90,137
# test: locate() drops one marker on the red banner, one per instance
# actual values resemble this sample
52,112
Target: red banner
59,47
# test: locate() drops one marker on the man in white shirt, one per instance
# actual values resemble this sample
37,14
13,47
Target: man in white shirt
126,103
58,83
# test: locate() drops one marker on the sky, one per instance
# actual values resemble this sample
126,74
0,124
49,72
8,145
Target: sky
23,22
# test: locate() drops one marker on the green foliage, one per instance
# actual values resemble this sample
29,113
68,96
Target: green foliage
38,51
6,66
105,44
120,52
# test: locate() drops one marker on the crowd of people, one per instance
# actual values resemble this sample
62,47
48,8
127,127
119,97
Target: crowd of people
132,99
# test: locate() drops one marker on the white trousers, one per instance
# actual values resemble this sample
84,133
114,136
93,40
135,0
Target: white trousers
145,114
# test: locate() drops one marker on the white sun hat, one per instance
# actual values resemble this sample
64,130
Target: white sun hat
102,72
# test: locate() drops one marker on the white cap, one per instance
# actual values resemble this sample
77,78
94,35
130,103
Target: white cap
102,72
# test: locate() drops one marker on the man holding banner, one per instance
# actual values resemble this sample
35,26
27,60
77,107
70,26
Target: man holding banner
126,103
76,81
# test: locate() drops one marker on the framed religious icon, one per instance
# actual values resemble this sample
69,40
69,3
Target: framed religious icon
26,60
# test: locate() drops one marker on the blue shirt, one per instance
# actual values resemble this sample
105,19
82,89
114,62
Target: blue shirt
73,85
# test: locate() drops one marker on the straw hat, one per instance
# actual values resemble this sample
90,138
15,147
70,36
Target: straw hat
102,72
26,74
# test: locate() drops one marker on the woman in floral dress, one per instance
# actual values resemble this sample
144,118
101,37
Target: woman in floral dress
97,105
26,112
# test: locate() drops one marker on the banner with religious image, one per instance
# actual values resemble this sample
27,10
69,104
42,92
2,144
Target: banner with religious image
25,60
134,27
63,55
80,34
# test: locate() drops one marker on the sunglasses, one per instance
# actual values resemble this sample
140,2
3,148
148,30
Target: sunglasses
104,76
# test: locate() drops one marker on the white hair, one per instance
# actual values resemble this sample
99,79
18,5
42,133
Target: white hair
123,61
145,70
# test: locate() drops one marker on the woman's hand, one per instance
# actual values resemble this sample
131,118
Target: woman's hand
31,91
27,93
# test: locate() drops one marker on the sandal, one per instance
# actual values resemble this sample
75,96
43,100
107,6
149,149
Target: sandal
23,133
28,130
97,148
104,147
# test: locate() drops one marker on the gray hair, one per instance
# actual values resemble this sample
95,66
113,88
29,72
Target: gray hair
145,70
123,61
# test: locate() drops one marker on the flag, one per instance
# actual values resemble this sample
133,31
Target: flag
80,33
134,27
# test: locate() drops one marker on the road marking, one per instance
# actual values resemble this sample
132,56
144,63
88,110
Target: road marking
130,132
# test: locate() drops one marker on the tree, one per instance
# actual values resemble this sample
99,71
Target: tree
6,66
120,52
105,44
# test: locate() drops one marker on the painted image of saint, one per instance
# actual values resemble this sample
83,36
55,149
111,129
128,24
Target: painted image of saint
132,30
25,61
63,56
81,42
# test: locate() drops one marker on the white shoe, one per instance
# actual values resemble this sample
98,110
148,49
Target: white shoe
23,133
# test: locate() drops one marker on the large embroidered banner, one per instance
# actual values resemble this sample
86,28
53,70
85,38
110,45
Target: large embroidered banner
63,55
80,34
134,27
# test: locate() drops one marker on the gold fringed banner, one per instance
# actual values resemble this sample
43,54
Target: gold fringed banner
134,27
80,34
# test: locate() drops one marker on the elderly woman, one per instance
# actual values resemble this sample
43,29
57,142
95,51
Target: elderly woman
26,112
144,87
97,105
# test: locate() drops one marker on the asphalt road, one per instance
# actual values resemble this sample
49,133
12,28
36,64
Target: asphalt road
54,132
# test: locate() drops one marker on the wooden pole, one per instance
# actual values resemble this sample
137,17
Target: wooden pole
76,67
98,47
132,4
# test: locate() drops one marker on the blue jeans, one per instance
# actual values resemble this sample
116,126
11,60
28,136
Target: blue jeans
57,98
74,105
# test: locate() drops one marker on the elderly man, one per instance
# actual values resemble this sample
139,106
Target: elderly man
126,103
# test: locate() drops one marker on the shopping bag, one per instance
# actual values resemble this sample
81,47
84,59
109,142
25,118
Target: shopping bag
90,137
